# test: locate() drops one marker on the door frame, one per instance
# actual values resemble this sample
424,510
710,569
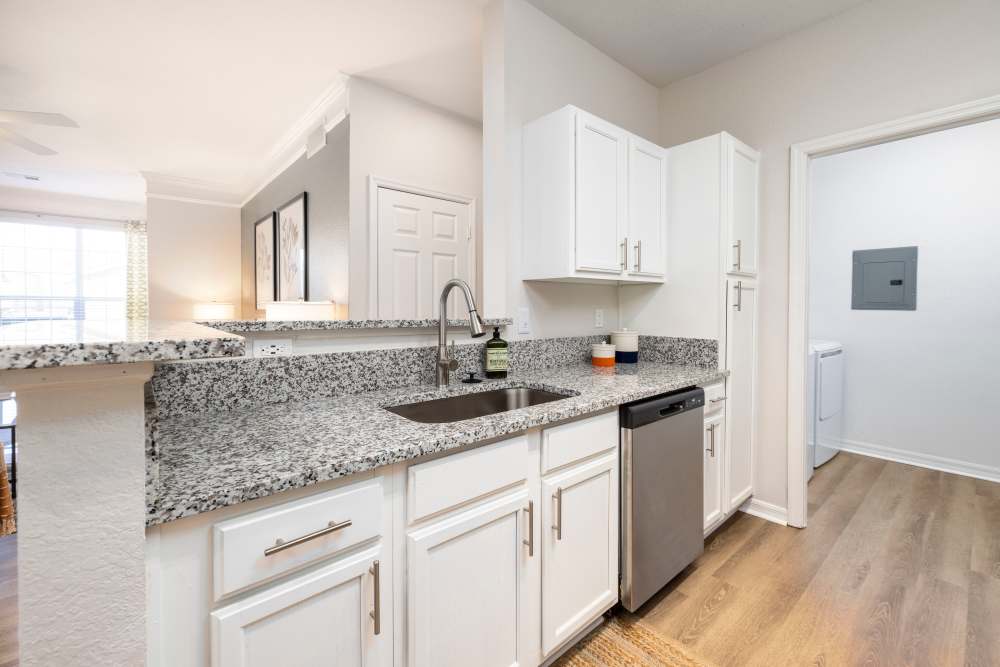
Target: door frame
376,182
798,259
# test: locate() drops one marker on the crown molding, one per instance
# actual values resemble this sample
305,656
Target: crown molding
194,190
327,111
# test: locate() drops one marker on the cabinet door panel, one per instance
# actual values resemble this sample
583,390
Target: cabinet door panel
647,222
743,206
741,358
714,451
600,194
320,618
580,559
466,584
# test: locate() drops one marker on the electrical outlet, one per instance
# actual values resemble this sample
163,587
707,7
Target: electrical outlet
598,318
523,321
273,347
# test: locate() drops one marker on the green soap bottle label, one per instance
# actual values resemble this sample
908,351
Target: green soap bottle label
496,360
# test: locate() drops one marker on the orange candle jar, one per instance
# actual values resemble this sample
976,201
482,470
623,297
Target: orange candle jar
602,354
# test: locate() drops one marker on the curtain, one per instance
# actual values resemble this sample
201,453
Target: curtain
136,281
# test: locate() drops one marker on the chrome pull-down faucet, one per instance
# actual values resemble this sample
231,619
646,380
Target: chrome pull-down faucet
446,363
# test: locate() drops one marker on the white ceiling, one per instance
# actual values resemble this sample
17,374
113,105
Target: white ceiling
666,40
206,89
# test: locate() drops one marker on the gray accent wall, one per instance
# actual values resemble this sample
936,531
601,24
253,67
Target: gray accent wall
325,176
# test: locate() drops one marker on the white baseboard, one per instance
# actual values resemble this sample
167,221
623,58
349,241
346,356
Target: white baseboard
767,511
941,463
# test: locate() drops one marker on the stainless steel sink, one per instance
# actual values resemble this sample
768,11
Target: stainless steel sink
470,406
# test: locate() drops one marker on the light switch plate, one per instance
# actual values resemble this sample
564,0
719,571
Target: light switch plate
523,321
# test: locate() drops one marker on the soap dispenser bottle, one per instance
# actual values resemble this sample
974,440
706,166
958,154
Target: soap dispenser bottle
497,356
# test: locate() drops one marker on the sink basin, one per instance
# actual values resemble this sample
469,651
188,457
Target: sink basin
470,406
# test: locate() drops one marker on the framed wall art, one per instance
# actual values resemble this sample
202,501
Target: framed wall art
265,261
292,246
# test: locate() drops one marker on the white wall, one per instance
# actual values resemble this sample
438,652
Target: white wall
883,60
533,65
398,138
919,381
194,256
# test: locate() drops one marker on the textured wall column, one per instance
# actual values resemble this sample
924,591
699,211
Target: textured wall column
81,514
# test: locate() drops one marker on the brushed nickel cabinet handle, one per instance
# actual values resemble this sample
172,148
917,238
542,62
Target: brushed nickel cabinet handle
738,264
558,524
281,545
739,295
376,613
530,542
711,449
624,247
638,255
717,400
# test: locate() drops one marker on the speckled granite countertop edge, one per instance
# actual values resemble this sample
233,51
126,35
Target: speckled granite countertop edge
207,462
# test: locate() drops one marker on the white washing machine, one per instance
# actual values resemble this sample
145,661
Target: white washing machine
824,401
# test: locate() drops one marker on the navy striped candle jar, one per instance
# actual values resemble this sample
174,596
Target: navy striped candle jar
626,346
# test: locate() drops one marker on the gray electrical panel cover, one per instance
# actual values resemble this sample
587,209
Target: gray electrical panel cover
885,279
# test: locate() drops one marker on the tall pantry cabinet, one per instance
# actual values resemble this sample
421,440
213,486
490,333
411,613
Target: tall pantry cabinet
713,209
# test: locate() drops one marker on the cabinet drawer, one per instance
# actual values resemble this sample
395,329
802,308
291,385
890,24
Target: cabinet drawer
453,480
239,543
715,398
578,440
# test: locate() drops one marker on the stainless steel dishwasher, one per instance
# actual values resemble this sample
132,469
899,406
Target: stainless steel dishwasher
661,491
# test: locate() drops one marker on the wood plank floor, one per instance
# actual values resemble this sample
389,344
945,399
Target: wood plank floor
899,566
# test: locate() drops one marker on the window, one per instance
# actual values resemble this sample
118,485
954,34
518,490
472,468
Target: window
57,276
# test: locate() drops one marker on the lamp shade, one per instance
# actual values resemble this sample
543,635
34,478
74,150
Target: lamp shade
214,310
300,310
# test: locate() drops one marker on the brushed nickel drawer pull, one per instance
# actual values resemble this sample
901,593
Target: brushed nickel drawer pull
530,542
558,525
281,545
717,400
376,613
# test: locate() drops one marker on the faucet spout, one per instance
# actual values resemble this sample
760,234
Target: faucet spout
446,363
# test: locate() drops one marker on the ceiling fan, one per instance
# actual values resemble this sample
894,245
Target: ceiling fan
9,119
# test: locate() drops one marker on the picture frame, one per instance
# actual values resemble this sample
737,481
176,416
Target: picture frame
265,265
292,244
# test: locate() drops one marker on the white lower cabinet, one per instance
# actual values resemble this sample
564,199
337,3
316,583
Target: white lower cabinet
715,441
579,548
471,558
467,586
328,615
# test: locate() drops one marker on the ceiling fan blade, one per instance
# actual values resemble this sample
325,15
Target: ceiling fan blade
36,118
24,142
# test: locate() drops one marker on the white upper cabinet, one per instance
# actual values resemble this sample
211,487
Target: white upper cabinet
594,202
647,209
741,206
601,200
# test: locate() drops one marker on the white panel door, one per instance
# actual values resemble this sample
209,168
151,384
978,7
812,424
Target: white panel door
579,535
647,208
423,242
468,587
741,405
601,186
743,205
715,443
318,619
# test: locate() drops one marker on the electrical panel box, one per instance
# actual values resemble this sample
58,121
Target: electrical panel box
885,279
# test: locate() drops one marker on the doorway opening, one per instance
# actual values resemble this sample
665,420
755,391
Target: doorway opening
832,361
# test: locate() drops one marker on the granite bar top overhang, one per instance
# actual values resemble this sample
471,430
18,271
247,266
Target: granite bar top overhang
51,343
262,326
212,460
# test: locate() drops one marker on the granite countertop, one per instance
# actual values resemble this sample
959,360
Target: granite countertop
49,343
212,460
251,326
